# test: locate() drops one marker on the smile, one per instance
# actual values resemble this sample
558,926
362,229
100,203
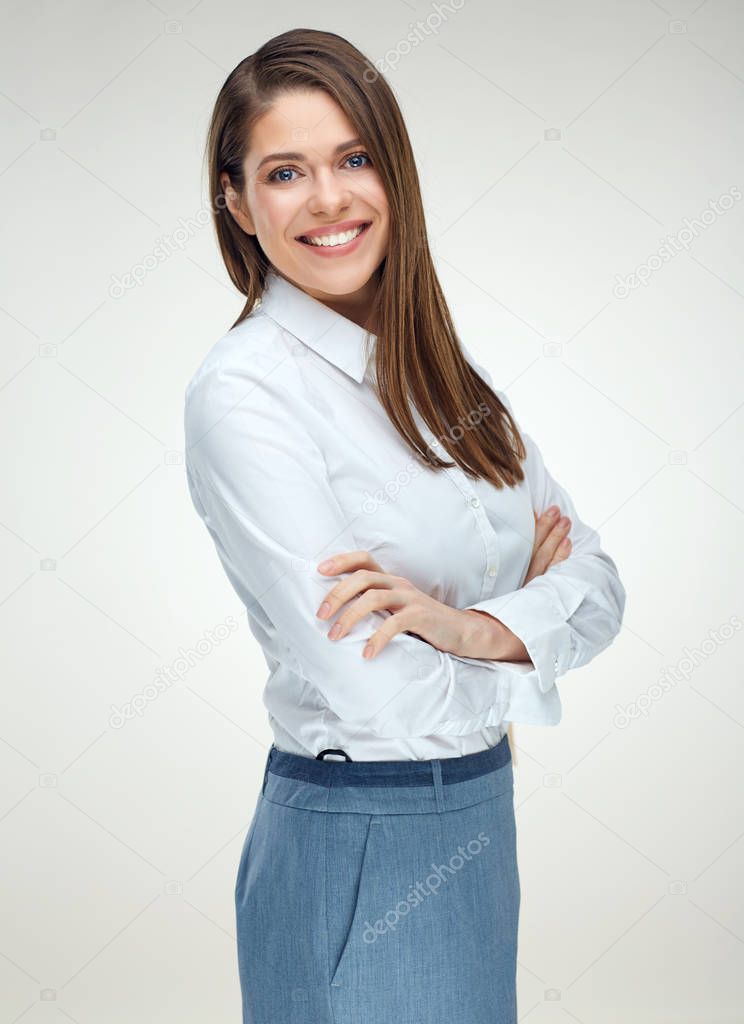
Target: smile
340,241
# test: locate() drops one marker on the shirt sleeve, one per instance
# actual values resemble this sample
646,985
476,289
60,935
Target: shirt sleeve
259,482
574,610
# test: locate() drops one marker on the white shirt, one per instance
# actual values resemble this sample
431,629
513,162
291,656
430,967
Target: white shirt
290,458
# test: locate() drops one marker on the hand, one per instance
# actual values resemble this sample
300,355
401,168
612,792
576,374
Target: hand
551,543
413,611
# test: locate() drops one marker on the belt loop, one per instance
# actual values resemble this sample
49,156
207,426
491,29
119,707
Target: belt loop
332,750
436,770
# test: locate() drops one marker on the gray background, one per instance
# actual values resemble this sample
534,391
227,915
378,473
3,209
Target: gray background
559,146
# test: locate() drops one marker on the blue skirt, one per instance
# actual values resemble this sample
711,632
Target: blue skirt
383,892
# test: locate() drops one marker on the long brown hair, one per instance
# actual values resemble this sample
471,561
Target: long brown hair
418,358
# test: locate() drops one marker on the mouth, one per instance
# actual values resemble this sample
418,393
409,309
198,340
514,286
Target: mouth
339,243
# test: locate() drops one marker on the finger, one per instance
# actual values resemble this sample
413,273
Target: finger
381,638
359,581
544,523
348,561
372,600
551,543
562,551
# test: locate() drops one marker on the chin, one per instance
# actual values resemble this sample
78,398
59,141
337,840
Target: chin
337,281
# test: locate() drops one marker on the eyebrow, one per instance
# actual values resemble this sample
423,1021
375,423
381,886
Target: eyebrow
301,156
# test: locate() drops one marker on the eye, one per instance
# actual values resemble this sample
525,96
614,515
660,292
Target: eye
279,170
274,176
354,157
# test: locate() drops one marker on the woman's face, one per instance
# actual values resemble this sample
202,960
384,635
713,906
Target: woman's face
323,180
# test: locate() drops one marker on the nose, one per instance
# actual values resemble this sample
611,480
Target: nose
331,195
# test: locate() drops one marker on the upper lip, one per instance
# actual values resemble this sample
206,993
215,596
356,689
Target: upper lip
332,229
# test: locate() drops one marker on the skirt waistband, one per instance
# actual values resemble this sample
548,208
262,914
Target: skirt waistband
388,787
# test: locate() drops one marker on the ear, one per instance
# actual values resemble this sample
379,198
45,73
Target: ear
237,206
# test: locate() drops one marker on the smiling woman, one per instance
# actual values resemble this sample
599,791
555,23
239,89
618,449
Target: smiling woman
342,419
308,212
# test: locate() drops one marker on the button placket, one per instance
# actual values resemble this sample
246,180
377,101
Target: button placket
488,533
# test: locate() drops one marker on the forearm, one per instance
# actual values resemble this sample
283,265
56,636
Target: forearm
487,637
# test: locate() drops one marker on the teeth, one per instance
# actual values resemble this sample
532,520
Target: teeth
329,240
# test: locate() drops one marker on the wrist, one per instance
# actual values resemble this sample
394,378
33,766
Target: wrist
485,636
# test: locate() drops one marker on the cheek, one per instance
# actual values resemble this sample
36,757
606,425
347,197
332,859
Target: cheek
274,213
378,203
382,243
384,230
374,194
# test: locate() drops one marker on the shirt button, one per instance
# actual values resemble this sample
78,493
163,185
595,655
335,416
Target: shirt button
475,502
492,570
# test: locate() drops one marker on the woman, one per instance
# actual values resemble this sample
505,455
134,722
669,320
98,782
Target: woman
353,465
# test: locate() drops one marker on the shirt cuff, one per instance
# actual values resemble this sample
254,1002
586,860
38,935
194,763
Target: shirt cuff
538,614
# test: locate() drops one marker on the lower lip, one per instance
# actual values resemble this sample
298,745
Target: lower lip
329,251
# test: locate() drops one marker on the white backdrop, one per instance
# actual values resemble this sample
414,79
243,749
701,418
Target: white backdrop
583,177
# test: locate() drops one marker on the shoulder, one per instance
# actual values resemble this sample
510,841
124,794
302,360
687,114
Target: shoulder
248,367
249,349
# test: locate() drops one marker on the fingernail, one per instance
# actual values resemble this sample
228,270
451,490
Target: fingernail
328,564
335,630
367,652
324,610
553,510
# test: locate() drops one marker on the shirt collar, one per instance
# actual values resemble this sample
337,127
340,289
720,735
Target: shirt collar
331,335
